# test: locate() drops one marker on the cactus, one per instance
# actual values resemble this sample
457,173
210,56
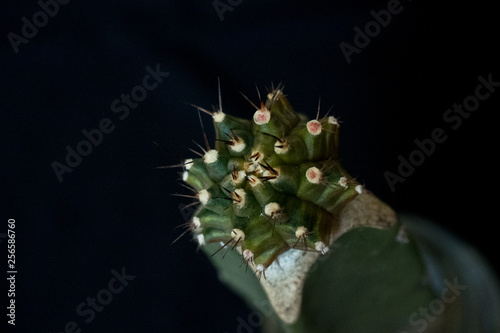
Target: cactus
270,184
272,196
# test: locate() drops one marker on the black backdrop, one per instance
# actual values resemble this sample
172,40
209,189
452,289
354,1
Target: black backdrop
114,210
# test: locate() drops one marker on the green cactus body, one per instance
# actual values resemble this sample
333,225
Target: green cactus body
270,184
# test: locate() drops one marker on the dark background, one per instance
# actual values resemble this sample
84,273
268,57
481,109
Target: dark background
114,209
